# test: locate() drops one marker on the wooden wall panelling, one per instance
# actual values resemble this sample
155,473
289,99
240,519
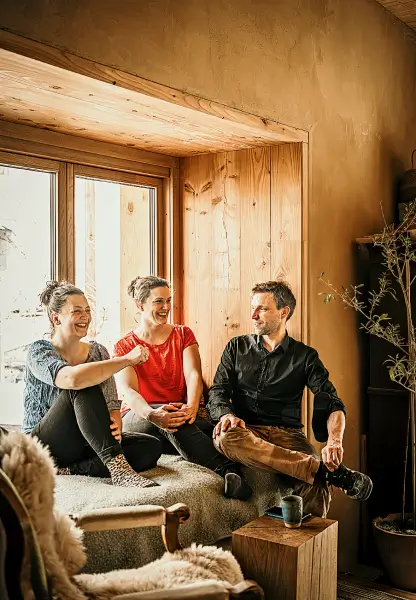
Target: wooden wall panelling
176,275
230,200
203,273
226,254
242,224
173,255
188,242
286,224
287,182
197,177
254,197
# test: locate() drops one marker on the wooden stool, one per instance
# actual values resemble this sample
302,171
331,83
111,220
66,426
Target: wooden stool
290,564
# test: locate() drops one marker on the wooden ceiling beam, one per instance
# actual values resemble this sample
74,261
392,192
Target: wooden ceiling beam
50,88
405,10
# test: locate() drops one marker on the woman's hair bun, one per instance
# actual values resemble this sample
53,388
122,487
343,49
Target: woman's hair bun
46,294
140,288
131,289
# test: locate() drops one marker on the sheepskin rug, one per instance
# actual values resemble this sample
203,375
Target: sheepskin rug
31,469
184,566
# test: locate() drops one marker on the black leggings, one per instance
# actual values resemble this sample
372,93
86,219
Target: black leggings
77,430
189,441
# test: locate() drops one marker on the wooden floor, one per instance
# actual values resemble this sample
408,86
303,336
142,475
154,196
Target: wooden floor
371,585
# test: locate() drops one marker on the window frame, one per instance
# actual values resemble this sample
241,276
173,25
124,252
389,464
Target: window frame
63,238
58,197
62,204
98,173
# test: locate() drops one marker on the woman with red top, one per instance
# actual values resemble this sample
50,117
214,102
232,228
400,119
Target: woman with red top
161,395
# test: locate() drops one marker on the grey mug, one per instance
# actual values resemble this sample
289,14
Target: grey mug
292,509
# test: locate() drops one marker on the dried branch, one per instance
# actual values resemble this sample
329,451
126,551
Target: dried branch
398,249
373,323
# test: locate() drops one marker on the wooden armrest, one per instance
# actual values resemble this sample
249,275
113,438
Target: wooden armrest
120,517
175,516
247,590
129,517
203,590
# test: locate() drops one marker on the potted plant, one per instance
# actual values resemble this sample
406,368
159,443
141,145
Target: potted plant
395,535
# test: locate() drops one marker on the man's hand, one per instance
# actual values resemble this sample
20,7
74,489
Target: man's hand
228,421
332,454
169,416
116,424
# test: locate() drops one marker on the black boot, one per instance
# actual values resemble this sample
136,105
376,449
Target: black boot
354,484
235,485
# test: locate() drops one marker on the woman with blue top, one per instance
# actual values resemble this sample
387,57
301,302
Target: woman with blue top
70,397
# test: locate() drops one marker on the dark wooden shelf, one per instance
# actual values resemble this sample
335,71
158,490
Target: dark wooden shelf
369,239
387,391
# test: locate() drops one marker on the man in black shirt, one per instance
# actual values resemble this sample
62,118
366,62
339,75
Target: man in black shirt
256,399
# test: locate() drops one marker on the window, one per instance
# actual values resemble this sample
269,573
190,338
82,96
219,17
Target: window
97,227
27,261
115,240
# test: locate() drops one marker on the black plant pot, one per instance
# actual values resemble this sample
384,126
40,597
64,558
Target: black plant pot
398,554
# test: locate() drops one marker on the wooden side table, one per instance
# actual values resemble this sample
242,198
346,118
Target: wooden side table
290,564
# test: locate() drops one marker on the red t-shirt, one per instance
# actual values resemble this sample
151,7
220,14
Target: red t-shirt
161,379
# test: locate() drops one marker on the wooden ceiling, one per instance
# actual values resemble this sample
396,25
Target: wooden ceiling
47,88
405,10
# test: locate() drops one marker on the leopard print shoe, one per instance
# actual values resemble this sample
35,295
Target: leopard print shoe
123,475
63,471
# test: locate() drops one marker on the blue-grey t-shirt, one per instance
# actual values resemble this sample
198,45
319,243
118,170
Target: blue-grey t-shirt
42,365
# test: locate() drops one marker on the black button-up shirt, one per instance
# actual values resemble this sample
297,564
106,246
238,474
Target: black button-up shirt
266,388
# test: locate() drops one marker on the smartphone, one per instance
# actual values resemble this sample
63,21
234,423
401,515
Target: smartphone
276,511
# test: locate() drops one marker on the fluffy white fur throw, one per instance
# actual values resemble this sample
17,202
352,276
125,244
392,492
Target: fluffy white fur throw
185,566
30,467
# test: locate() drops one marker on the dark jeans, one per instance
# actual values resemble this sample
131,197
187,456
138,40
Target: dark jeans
189,441
77,430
